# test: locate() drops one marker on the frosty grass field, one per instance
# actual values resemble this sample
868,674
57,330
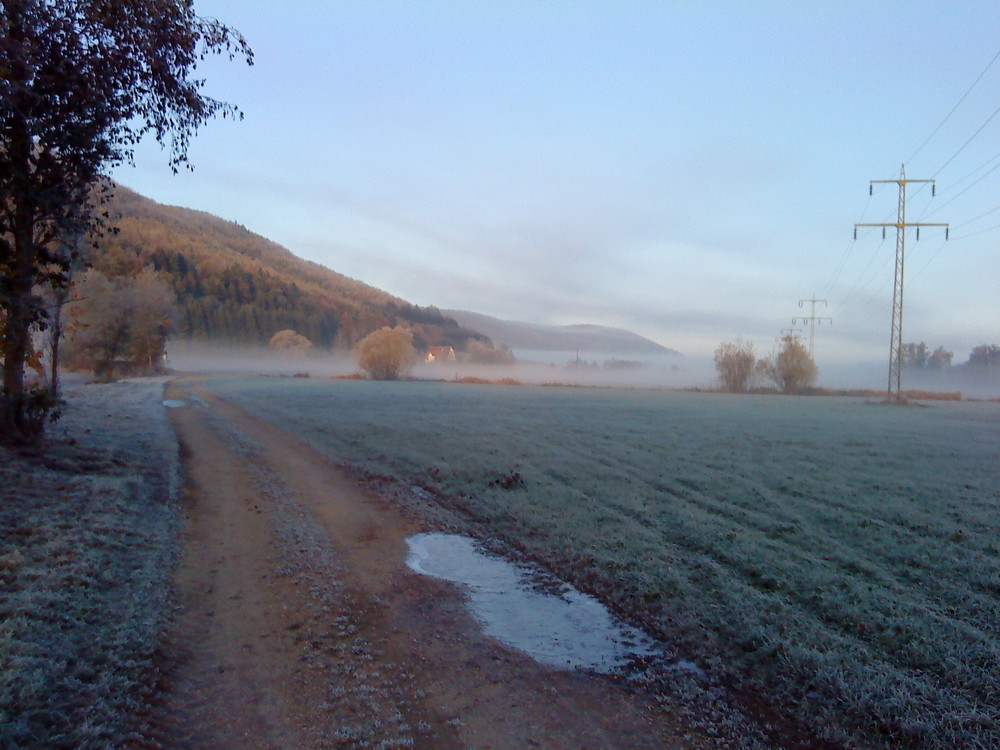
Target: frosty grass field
844,553
88,538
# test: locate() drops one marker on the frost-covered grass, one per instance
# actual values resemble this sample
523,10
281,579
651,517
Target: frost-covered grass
87,538
845,554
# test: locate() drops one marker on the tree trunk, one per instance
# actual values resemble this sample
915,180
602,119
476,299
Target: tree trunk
20,276
15,353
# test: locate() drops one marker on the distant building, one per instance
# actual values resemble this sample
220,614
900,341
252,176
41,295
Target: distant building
440,354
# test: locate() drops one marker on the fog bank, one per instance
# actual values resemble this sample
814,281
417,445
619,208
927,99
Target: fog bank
571,369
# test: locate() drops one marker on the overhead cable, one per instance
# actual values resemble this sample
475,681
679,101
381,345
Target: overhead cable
957,104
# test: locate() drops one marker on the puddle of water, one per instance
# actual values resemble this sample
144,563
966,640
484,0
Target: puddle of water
174,404
569,630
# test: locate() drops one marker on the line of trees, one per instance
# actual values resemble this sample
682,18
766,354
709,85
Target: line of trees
985,357
982,358
791,368
920,357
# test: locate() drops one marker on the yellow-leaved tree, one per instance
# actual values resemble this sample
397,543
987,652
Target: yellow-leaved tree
792,369
735,365
386,354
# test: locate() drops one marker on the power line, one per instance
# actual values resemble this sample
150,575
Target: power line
973,172
967,189
977,218
927,262
957,104
971,138
845,254
981,231
866,305
859,285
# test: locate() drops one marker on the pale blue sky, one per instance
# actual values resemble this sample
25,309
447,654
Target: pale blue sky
687,170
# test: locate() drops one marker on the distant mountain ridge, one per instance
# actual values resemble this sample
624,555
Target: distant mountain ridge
519,335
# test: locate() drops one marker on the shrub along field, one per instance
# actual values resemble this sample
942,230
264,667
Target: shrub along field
842,553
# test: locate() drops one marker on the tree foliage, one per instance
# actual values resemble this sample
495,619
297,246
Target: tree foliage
920,357
940,359
985,357
386,354
792,369
120,325
289,342
735,364
81,83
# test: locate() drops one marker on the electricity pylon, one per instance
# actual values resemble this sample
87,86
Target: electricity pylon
813,320
893,392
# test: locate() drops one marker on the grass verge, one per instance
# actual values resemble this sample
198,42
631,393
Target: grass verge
88,531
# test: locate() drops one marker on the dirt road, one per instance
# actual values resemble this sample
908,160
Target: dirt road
301,626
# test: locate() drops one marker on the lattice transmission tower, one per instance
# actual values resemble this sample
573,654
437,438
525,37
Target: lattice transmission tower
893,391
812,320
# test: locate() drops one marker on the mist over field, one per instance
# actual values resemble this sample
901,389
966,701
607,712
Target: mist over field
536,367
601,369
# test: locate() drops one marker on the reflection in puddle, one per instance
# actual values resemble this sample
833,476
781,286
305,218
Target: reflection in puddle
174,404
567,630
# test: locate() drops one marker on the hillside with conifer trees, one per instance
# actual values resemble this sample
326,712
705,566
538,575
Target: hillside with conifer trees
237,287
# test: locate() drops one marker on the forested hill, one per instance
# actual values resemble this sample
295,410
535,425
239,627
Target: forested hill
239,287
